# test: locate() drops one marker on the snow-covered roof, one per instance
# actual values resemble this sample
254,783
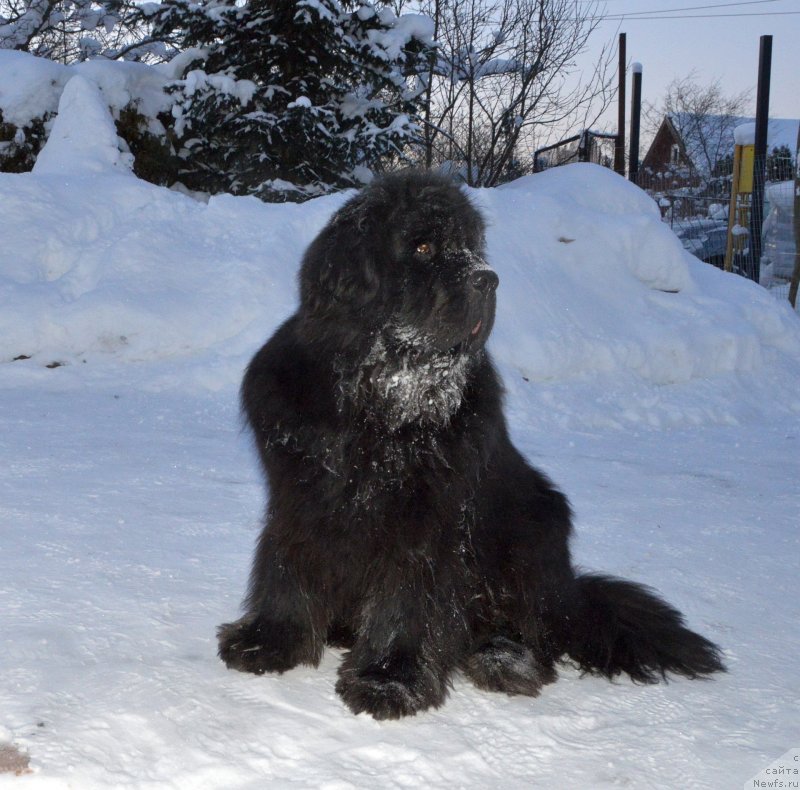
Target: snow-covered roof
780,132
708,138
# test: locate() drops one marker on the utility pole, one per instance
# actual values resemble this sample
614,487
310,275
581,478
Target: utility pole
619,148
795,281
760,156
636,121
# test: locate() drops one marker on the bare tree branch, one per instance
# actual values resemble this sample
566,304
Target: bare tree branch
504,74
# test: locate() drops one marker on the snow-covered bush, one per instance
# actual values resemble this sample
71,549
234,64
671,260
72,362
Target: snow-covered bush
154,159
29,92
19,145
148,140
134,94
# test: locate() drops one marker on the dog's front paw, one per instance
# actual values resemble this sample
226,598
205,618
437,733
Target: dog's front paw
390,689
259,646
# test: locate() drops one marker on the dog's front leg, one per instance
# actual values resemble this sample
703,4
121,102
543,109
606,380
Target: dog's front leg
406,647
286,621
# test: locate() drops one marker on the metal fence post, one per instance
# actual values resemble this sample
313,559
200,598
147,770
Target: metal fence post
760,159
619,149
585,146
636,119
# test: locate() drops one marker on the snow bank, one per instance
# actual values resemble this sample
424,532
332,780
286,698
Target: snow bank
601,285
120,270
101,268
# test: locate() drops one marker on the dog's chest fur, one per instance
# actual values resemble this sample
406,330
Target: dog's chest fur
401,441
392,389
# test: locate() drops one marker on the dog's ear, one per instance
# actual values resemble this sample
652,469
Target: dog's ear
339,273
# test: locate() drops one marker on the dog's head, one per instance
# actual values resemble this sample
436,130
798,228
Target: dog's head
403,259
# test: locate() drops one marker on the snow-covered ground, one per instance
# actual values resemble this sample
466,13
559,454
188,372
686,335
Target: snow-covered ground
662,395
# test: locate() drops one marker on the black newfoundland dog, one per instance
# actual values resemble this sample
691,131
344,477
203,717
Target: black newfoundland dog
402,522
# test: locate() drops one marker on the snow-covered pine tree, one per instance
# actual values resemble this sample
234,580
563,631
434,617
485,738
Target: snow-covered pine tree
288,99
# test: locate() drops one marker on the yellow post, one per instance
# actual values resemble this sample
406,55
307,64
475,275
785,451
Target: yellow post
746,161
737,159
743,157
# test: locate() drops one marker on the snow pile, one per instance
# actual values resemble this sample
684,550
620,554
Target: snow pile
101,268
114,269
600,287
70,150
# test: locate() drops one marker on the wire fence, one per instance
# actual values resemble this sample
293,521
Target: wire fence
587,146
697,206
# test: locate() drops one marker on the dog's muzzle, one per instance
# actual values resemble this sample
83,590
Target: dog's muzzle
480,275
484,280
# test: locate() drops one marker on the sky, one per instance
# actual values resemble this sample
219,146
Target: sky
706,36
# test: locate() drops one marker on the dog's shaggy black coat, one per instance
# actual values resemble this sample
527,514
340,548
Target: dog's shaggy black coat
402,522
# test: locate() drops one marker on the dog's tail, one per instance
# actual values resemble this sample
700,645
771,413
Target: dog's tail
621,626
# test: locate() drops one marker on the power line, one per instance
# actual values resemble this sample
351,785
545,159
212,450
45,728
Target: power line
670,13
631,16
693,8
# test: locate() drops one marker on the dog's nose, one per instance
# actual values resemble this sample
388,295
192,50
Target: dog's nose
484,280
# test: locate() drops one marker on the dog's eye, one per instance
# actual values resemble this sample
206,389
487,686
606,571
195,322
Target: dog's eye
424,248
